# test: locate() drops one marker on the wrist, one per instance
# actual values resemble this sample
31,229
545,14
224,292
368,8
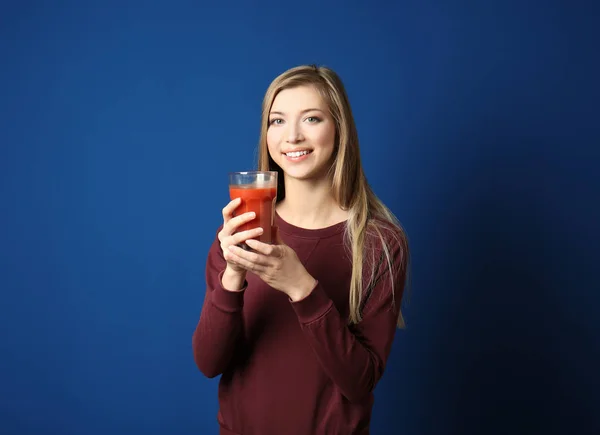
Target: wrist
232,280
303,289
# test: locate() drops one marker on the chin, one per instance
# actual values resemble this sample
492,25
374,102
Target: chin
298,175
311,174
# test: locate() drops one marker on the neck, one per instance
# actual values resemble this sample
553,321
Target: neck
310,204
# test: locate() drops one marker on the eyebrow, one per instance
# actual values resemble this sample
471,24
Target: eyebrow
304,111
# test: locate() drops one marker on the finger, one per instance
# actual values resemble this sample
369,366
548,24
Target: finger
229,208
235,222
243,236
240,257
255,258
236,262
231,258
263,248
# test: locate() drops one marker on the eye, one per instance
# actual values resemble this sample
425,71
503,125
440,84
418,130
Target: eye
313,119
276,121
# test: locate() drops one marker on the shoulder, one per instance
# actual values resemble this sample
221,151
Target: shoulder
386,251
385,264
384,235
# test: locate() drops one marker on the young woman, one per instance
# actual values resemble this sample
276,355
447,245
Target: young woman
301,329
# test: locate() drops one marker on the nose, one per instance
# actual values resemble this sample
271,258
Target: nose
294,135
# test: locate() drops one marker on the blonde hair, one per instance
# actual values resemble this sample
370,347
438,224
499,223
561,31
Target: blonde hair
367,215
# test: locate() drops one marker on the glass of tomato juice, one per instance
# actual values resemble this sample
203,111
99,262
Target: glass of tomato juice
258,192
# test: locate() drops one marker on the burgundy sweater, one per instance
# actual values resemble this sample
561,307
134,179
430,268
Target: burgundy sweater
297,367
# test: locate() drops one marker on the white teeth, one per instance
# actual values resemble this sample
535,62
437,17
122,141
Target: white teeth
297,153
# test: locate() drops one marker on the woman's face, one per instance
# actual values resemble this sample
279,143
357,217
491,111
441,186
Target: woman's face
301,133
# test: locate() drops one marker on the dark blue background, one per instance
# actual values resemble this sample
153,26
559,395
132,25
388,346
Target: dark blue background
479,127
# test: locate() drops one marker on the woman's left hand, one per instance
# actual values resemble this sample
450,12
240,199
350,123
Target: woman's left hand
277,265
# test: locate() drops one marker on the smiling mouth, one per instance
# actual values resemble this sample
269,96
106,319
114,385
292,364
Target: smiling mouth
296,154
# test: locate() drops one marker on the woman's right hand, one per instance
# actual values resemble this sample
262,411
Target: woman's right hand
228,236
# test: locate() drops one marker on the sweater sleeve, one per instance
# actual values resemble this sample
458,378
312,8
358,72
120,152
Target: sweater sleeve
354,356
220,323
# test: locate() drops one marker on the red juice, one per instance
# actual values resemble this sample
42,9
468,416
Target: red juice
260,200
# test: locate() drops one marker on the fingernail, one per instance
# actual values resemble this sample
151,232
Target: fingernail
259,230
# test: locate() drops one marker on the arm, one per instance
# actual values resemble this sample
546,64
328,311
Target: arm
354,356
220,324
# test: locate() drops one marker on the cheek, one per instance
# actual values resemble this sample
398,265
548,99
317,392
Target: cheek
272,138
272,143
326,138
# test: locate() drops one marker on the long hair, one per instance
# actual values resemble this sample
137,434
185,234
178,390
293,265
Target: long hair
368,217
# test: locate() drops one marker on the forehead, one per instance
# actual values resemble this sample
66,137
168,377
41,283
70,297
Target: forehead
298,98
